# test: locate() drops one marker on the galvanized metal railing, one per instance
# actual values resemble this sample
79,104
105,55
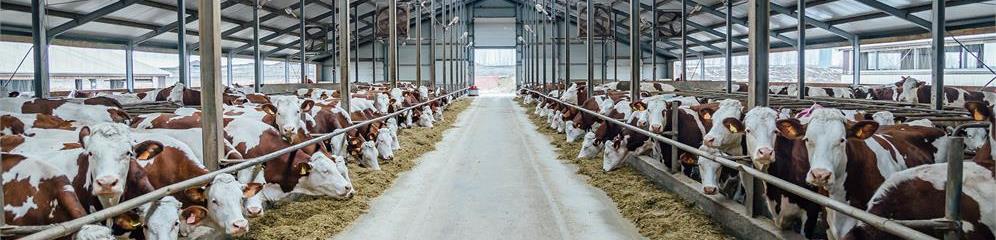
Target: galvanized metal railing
66,228
891,226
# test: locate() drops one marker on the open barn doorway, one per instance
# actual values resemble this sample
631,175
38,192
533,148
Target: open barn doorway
494,70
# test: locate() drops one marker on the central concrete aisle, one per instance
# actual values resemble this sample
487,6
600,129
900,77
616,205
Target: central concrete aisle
493,177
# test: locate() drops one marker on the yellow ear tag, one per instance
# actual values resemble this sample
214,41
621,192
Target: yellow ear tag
145,155
734,129
978,116
860,133
304,171
135,224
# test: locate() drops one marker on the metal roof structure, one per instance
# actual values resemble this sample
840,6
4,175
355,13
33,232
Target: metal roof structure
152,23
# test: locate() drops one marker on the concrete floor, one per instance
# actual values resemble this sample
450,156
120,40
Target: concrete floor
497,179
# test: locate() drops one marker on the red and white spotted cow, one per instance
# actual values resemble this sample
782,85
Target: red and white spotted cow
849,161
82,113
36,192
18,123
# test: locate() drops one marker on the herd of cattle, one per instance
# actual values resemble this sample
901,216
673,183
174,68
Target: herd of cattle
64,158
870,161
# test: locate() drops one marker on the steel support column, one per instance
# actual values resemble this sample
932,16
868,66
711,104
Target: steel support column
39,23
567,41
856,65
344,53
432,44
356,44
801,46
303,39
544,40
758,53
130,67
392,44
211,87
257,54
729,47
418,44
181,43
228,68
634,49
373,49
590,44
287,69
615,49
937,70
684,40
653,42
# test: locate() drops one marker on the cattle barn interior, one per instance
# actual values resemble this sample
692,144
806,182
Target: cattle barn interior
498,119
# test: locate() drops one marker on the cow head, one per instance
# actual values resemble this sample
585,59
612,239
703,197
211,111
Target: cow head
322,176
385,142
884,118
656,115
826,138
383,102
981,111
163,222
906,89
224,201
253,205
425,118
290,114
730,131
368,154
94,232
109,152
709,170
760,132
589,146
614,153
572,127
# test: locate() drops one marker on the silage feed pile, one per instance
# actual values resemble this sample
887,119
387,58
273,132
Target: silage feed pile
321,218
657,213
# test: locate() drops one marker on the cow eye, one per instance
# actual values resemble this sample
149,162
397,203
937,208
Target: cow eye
747,130
842,140
215,201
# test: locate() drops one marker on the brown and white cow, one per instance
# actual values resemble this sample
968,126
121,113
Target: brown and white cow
849,161
82,113
18,123
36,192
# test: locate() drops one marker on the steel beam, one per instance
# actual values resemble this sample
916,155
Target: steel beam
937,48
418,44
257,55
392,43
856,73
211,87
653,42
101,12
684,41
895,12
287,69
758,57
38,28
356,44
432,44
228,68
801,46
715,32
567,41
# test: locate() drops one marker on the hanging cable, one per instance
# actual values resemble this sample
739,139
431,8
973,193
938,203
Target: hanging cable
9,80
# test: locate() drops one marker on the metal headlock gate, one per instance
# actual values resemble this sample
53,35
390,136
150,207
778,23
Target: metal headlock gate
901,228
66,228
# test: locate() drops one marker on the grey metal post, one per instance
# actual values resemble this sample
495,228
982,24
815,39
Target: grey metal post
684,40
801,61
344,54
418,44
518,48
615,48
333,47
211,88
605,60
39,23
303,39
536,49
856,46
953,186
590,48
356,45
373,49
937,47
228,68
729,46
544,41
392,43
183,67
130,67
432,44
287,69
634,49
567,42
653,42
257,55
555,48
445,44
758,53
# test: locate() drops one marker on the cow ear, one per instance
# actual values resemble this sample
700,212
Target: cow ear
688,159
862,129
303,169
706,113
196,194
147,150
307,105
193,215
250,189
791,128
980,111
128,221
84,132
269,109
734,125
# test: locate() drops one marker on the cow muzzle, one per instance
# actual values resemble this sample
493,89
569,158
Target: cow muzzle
656,128
239,227
764,155
819,177
709,190
105,185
